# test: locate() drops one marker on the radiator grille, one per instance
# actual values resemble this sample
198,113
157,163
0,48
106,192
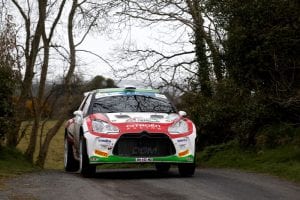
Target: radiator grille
144,145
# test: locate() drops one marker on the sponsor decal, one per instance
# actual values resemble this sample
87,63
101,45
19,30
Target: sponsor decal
182,143
100,95
140,119
110,148
183,153
144,151
103,142
182,140
149,94
101,153
143,126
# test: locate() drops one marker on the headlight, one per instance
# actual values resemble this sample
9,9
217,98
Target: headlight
103,127
179,127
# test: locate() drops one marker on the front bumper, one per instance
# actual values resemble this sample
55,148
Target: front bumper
100,151
120,159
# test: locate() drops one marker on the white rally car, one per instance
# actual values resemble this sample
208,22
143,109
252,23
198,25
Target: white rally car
129,126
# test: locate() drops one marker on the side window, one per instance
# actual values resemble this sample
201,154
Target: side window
86,105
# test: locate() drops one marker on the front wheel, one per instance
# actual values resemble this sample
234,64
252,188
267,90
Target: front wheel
86,169
186,169
70,164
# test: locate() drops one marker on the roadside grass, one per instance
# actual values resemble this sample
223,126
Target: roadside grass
55,157
283,161
12,162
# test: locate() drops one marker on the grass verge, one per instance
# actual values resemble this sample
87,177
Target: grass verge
55,157
12,162
283,161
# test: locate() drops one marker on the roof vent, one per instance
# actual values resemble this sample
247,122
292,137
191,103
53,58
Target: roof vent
130,87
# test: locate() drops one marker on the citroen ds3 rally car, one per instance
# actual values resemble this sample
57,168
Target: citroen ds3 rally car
128,126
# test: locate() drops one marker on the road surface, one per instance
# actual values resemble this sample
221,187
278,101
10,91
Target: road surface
125,184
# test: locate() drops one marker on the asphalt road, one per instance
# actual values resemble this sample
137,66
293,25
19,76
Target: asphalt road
144,184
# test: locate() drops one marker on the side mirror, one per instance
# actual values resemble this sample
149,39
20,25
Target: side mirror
182,113
78,113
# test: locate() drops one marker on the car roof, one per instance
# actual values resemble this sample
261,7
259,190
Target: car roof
118,90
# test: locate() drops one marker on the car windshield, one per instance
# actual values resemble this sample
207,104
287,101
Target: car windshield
132,103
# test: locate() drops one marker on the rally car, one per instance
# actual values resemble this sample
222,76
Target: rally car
128,125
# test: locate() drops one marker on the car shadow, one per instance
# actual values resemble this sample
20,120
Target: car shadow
134,174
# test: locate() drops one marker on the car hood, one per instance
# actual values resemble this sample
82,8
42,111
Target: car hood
142,117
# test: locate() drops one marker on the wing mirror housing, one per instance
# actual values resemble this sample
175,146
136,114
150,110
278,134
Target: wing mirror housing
182,113
78,113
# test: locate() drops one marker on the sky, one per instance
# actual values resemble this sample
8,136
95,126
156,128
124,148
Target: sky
108,47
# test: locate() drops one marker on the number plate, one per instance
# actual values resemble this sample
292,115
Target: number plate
144,159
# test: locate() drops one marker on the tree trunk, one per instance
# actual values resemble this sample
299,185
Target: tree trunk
49,136
216,58
53,131
33,139
36,104
200,47
203,65
30,51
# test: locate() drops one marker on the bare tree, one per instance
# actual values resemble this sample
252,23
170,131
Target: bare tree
88,14
204,62
40,21
31,53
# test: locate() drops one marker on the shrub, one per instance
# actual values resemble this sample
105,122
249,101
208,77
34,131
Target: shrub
274,135
231,113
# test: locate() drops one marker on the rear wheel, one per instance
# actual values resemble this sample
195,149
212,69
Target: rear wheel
70,164
186,169
86,169
162,167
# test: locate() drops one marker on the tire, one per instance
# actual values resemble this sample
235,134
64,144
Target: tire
86,169
162,167
70,163
186,169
